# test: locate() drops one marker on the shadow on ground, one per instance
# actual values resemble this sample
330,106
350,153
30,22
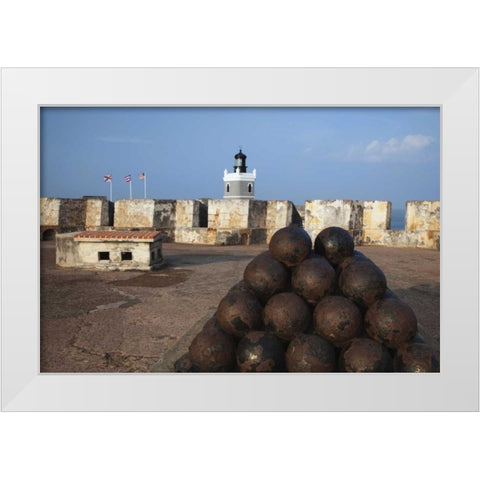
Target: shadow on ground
159,279
184,260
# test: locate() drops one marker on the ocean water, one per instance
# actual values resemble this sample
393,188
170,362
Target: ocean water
398,219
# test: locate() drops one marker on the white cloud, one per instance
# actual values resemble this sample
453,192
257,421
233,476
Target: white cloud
372,145
417,141
379,151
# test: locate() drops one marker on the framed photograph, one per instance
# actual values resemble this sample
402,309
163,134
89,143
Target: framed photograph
29,94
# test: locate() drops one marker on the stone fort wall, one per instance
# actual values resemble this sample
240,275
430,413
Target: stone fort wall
243,221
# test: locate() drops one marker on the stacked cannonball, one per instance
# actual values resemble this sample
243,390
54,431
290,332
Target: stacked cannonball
303,310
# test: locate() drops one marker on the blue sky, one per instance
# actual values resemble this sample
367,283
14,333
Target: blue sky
299,153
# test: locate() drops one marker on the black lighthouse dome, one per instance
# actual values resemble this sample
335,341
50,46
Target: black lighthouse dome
239,165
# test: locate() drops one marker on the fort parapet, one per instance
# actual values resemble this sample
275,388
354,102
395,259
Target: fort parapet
62,215
243,221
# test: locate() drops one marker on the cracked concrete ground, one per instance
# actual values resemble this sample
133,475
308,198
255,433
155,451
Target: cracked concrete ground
95,321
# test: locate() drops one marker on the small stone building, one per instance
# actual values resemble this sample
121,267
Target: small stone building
110,250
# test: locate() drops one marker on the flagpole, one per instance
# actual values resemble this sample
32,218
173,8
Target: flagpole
130,183
145,185
111,191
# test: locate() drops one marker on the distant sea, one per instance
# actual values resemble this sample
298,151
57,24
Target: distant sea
398,219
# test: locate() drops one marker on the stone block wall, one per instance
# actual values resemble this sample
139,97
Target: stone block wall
257,214
422,227
377,215
245,221
228,213
98,212
279,215
164,214
421,216
195,235
145,213
320,214
186,214
401,238
71,214
49,211
137,213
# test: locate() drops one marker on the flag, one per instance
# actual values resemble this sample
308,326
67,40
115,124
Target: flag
107,178
141,176
128,178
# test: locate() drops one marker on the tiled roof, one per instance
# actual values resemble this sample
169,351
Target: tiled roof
116,235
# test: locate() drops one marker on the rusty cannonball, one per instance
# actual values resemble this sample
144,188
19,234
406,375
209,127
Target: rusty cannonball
238,312
335,244
389,294
241,286
212,323
310,353
212,351
418,338
356,256
260,352
266,276
286,314
391,322
290,245
337,319
365,355
362,282
183,364
416,358
313,279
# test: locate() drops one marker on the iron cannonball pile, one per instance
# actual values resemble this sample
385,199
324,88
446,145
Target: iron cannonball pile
298,309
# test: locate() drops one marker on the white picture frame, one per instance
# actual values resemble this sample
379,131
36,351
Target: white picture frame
455,91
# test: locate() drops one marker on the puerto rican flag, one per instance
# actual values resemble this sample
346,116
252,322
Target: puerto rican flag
128,178
141,176
107,178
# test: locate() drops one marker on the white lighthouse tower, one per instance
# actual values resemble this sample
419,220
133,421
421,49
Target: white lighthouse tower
239,184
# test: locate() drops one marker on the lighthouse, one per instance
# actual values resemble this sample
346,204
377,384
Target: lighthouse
239,184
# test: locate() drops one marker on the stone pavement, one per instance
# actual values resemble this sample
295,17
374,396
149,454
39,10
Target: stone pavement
95,321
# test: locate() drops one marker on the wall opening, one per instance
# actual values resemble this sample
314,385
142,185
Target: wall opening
249,188
126,256
228,187
103,256
48,235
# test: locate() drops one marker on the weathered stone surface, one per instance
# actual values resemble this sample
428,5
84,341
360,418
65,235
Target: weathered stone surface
145,213
422,216
320,214
187,214
244,236
228,213
71,252
97,212
72,214
49,211
244,221
377,215
135,213
66,250
257,214
196,235
401,238
164,214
